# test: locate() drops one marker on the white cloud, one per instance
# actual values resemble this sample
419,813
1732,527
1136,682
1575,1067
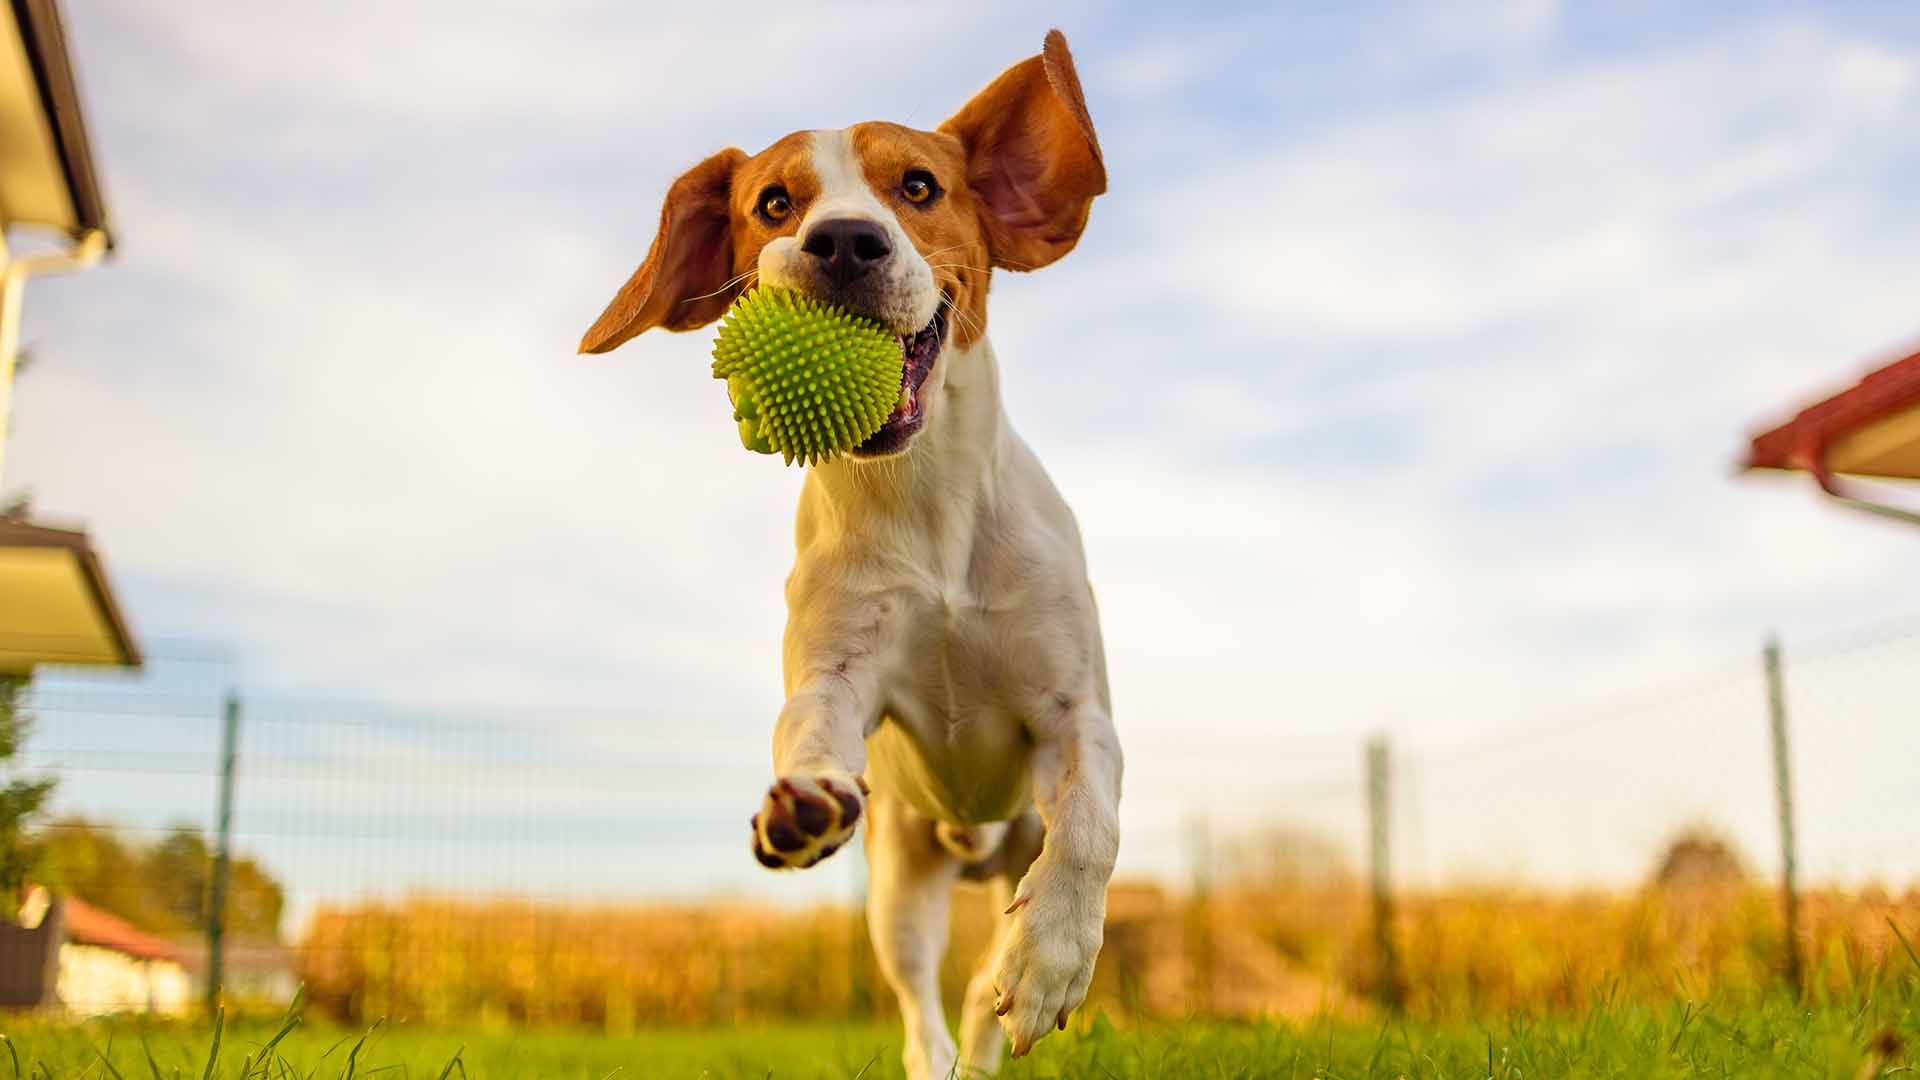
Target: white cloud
1557,194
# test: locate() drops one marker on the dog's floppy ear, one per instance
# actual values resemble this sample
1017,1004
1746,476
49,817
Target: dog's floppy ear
1032,159
681,285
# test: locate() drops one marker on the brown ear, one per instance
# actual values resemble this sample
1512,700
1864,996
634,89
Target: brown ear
682,283
1032,159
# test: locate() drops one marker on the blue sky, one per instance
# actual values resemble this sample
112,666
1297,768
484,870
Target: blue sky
1397,383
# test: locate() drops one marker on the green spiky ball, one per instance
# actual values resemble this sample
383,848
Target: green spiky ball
808,380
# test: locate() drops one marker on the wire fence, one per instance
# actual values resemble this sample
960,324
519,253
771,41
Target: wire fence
549,864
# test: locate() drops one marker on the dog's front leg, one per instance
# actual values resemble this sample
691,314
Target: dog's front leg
1059,910
819,752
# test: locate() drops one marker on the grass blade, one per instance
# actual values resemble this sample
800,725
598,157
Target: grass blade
1908,945
152,1065
315,1071
213,1053
104,1060
353,1055
288,1021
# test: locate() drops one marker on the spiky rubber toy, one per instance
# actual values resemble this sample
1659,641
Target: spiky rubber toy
807,380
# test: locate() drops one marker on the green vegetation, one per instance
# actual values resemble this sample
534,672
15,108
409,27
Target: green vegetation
21,798
165,887
1856,1021
1870,1033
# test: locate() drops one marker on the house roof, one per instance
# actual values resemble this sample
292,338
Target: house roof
55,604
88,925
1869,429
47,174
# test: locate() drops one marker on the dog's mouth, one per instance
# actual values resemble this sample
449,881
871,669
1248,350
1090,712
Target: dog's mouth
919,350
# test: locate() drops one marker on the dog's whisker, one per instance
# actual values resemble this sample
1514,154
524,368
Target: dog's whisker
1010,263
954,307
942,251
730,283
965,320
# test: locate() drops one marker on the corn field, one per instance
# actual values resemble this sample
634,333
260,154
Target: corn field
1232,954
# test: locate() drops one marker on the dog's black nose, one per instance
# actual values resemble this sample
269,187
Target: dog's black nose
847,247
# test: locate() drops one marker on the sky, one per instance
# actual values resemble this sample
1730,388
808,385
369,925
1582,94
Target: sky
1397,384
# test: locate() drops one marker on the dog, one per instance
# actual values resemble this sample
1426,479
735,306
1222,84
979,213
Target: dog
945,676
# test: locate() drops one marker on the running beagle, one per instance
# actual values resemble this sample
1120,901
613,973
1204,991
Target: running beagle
945,675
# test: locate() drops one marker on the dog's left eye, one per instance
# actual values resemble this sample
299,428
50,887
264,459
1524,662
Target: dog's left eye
775,203
919,187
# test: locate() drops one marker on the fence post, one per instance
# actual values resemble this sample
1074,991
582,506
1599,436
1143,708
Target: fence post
1200,913
1377,811
1783,795
222,852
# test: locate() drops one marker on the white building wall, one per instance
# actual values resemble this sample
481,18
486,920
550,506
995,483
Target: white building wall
94,981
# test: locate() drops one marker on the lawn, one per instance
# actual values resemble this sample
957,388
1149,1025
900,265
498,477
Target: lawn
1871,1033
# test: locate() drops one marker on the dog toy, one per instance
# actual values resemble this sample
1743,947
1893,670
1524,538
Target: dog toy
807,380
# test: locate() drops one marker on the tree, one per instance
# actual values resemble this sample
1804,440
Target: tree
178,877
90,862
21,798
166,887
1699,856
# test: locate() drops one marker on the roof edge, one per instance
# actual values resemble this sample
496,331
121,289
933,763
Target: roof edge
1801,442
16,533
44,35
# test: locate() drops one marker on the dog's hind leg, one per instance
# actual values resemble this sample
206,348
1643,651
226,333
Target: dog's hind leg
909,890
982,1043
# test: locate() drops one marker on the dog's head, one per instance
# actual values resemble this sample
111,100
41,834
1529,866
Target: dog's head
898,224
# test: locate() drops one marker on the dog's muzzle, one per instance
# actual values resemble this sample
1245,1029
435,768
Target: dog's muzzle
920,351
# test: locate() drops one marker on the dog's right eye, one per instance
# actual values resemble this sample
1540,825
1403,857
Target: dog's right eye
775,204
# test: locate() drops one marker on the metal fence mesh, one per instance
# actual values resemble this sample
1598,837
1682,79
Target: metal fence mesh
431,856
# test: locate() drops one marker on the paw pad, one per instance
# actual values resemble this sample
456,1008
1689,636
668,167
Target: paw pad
803,820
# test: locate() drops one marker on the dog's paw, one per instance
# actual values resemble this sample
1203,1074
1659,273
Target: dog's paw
805,819
1046,959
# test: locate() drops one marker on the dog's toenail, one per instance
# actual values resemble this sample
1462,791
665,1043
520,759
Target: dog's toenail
862,781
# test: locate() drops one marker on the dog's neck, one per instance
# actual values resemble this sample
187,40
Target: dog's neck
948,471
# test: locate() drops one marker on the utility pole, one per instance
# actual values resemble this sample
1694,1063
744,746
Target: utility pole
1783,795
222,855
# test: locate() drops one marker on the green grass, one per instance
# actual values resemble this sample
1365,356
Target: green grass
1874,1033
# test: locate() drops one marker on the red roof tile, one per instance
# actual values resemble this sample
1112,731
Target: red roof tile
88,925
1800,442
